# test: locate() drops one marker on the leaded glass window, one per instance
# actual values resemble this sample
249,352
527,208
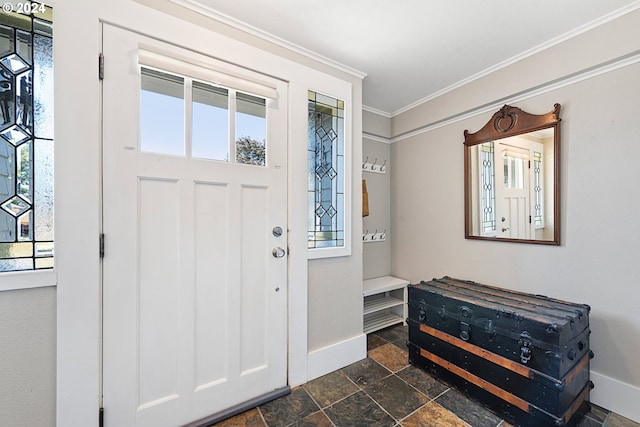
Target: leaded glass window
26,139
326,172
487,171
538,217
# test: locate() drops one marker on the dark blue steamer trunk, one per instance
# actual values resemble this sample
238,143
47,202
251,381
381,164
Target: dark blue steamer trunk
524,356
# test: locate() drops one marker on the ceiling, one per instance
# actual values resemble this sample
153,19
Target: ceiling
414,49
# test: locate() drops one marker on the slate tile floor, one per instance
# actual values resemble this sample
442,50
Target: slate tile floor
383,390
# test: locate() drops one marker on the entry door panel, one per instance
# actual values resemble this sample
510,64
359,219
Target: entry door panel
194,302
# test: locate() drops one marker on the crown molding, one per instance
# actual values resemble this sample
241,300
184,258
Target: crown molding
376,138
537,49
376,111
627,60
209,12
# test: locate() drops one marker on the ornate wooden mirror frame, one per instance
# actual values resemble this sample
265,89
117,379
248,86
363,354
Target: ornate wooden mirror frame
515,202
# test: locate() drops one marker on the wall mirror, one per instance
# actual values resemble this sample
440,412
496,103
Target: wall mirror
512,178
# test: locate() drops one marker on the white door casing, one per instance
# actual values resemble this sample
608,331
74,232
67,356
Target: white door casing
194,302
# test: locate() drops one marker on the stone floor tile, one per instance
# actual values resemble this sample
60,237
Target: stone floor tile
394,333
375,341
422,381
433,415
366,372
288,409
391,357
396,397
616,420
359,410
317,419
467,409
250,418
330,388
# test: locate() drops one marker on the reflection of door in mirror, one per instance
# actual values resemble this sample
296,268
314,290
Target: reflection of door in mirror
510,200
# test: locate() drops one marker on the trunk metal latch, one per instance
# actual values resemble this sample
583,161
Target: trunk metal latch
525,347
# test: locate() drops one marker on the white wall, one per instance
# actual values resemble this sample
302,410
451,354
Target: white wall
597,262
27,357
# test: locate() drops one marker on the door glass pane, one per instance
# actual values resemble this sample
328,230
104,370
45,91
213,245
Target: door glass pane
161,113
210,131
251,129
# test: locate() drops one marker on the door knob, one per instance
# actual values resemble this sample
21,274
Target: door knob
278,252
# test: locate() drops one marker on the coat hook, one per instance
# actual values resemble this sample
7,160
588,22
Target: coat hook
382,166
383,234
364,164
373,166
364,236
373,237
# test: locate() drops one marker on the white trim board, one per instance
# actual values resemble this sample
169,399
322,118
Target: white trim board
336,356
616,396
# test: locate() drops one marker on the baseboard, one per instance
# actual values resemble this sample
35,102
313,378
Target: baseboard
336,356
616,396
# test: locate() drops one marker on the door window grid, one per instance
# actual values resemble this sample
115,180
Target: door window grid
186,117
26,140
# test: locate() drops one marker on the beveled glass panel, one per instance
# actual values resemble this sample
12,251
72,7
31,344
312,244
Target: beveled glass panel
16,20
7,227
43,189
16,264
16,250
7,162
251,129
25,101
24,46
24,187
25,226
43,87
14,63
7,40
44,249
15,206
7,99
42,27
14,135
210,128
161,112
44,263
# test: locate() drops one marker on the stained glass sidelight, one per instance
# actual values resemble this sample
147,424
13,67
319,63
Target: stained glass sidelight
325,172
487,190
26,140
538,219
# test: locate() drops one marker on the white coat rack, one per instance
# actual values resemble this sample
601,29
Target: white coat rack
375,166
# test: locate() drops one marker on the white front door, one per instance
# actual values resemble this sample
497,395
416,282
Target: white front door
194,294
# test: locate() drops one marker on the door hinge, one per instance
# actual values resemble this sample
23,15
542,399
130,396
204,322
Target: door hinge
101,245
101,418
101,66
529,219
